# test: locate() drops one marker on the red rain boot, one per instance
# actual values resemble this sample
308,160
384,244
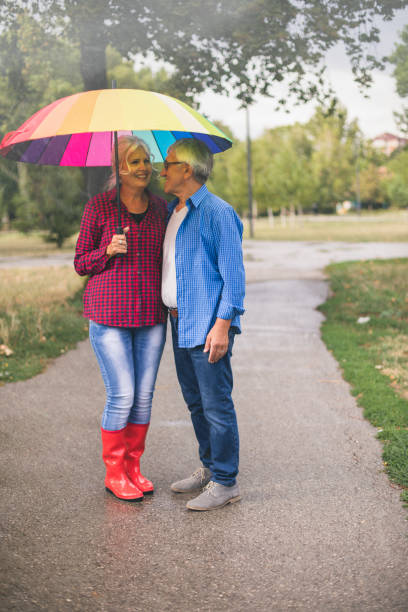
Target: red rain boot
113,454
135,436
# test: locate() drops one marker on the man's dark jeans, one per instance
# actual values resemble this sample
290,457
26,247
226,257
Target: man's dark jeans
206,389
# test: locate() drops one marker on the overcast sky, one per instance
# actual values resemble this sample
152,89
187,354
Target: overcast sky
375,114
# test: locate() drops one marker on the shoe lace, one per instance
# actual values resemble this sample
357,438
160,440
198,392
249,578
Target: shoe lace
209,486
199,473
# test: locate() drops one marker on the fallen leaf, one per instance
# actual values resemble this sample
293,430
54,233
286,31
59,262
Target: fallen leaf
5,350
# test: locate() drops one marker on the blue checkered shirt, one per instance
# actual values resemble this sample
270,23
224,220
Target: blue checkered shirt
209,267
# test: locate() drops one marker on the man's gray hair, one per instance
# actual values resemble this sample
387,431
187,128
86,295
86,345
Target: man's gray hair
196,154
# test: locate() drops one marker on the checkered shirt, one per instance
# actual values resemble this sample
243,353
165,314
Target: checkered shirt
123,291
210,272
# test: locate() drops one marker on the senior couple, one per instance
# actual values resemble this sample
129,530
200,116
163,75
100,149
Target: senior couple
184,259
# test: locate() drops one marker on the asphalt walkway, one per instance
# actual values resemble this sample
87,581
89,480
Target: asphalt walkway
319,527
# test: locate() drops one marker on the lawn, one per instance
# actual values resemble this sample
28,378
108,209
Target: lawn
40,318
368,227
366,328
381,226
14,243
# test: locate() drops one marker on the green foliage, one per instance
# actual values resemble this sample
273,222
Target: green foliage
396,184
299,166
36,68
333,158
122,70
372,186
246,46
229,176
282,169
55,202
53,48
376,289
400,60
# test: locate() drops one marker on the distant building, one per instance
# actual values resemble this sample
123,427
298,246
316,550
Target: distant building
388,143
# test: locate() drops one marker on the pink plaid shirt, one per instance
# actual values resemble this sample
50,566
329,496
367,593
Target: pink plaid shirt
123,291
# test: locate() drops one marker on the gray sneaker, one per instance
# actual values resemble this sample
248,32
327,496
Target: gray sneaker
215,496
195,482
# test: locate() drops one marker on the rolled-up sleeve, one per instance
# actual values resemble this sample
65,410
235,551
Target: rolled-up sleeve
90,257
230,264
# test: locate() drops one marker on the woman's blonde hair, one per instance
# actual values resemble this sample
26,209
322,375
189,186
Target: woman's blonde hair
126,146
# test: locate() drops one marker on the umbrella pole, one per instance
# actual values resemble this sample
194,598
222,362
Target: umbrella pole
119,229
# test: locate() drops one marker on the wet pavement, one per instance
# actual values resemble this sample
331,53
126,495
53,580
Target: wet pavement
319,526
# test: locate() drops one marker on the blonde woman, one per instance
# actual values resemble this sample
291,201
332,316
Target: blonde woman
126,317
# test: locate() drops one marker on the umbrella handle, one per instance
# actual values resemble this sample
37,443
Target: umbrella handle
119,230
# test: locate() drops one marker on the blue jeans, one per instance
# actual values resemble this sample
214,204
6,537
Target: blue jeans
206,389
129,359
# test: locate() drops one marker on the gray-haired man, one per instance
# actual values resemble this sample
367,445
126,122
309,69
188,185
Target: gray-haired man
203,287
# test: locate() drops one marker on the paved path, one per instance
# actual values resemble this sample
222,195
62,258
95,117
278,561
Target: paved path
319,527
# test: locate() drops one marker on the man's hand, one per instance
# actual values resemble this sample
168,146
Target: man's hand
217,340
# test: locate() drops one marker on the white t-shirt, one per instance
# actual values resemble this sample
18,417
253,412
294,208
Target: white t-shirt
169,282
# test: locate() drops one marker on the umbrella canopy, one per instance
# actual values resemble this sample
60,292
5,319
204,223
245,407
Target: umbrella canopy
78,130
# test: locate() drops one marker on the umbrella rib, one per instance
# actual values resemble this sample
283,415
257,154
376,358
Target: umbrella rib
89,146
157,143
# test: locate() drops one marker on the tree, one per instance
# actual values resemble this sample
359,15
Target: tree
298,165
396,185
400,59
54,203
35,68
372,186
282,169
242,47
333,159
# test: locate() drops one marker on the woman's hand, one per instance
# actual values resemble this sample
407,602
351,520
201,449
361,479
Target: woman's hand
118,244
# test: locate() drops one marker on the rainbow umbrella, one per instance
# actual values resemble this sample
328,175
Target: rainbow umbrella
79,130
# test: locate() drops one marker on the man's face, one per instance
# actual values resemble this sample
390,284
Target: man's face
175,174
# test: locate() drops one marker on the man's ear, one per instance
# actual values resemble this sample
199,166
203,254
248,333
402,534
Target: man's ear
188,172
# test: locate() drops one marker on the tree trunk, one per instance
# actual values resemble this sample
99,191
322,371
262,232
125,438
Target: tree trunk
22,172
93,71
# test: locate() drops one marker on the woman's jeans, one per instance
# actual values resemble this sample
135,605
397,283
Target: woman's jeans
129,359
206,389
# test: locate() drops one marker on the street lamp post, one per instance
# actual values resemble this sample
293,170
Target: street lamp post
357,166
249,174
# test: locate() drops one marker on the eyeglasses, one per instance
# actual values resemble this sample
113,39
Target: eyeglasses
166,164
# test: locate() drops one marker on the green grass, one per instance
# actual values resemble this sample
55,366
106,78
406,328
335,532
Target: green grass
14,243
376,226
373,355
40,318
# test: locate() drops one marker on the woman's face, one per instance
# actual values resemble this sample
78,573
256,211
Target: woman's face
137,169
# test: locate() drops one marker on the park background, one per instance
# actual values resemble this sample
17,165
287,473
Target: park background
320,162
319,177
